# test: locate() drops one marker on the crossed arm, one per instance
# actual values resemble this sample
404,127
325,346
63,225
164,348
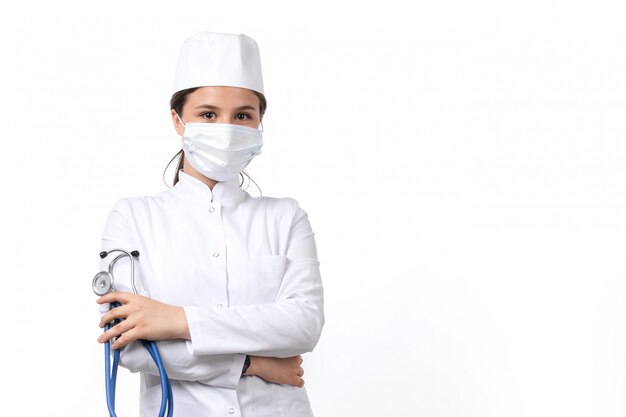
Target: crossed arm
145,318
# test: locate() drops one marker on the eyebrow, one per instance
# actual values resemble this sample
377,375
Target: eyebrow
211,107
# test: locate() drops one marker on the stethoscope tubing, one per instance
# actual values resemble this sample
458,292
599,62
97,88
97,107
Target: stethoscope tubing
110,372
167,397
167,402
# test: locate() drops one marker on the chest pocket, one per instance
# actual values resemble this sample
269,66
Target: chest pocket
265,274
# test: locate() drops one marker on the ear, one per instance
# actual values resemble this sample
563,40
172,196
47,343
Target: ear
178,126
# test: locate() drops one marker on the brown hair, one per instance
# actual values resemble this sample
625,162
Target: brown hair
177,102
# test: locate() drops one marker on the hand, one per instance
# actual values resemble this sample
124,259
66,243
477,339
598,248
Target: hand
145,318
277,370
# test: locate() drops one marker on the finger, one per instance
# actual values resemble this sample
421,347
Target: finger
300,372
125,339
115,331
293,380
300,360
119,296
120,312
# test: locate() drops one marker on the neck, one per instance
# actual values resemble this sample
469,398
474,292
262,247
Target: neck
189,170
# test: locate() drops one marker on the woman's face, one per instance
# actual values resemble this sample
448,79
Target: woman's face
232,105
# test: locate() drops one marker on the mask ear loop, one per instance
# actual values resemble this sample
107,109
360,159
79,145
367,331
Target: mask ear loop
261,127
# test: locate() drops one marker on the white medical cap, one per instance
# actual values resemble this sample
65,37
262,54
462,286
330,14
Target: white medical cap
219,59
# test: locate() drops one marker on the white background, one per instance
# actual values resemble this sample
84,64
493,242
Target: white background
463,164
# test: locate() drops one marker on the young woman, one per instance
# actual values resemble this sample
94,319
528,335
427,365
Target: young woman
228,284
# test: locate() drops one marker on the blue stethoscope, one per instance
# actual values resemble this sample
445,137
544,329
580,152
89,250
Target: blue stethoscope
102,284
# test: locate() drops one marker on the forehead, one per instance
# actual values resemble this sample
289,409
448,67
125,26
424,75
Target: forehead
223,97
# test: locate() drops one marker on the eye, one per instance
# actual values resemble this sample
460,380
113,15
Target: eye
208,115
242,116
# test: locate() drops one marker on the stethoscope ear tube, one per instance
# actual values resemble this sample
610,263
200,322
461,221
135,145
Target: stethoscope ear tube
103,282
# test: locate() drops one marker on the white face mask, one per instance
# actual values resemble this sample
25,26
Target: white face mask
220,151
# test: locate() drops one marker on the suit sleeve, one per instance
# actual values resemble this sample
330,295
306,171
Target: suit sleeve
290,326
222,370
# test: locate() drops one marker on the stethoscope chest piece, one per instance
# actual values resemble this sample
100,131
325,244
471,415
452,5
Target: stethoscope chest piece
102,283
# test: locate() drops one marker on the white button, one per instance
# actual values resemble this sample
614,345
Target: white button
231,411
219,306
215,255
212,209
